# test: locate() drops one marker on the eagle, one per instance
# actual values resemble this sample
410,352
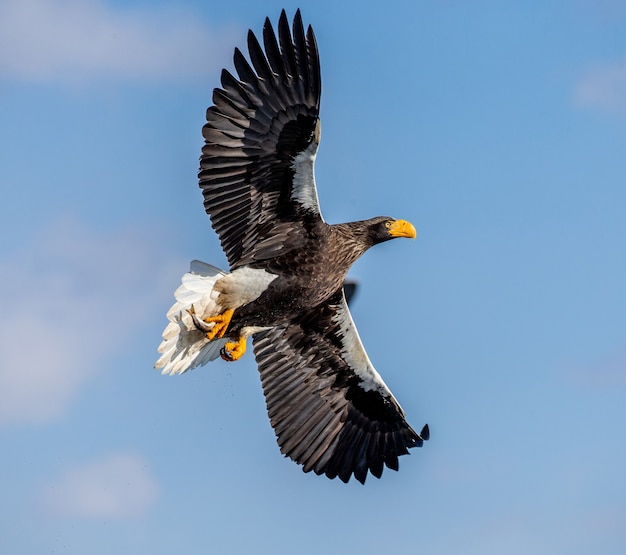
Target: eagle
330,409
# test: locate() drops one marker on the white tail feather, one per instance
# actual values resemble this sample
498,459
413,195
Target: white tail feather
184,347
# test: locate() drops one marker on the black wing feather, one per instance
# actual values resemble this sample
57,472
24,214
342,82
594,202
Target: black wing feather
273,51
328,416
257,126
287,45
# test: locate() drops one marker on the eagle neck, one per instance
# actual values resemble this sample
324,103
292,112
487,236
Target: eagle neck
351,240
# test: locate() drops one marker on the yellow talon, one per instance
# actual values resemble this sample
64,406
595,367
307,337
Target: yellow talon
234,351
220,322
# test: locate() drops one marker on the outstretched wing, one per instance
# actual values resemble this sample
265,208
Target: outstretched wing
261,136
330,409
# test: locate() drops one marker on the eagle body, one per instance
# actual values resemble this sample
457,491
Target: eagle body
330,409
302,278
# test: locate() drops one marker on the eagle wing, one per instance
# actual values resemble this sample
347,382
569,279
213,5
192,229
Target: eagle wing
330,409
261,137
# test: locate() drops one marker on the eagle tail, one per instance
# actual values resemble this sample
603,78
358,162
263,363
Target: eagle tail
184,347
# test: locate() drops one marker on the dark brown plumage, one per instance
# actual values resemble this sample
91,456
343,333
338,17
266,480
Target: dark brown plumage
330,409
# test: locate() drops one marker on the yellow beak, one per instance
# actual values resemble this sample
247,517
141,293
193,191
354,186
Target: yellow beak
402,228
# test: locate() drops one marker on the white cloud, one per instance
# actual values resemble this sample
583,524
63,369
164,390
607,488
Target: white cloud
604,87
69,300
59,40
119,486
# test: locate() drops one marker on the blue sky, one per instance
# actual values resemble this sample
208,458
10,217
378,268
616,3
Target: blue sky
497,128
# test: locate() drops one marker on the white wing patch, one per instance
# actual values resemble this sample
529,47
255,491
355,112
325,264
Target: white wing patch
304,189
184,347
354,353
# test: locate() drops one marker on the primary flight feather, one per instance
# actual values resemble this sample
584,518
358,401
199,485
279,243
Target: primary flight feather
330,409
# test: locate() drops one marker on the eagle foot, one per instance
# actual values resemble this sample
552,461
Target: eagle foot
233,351
214,326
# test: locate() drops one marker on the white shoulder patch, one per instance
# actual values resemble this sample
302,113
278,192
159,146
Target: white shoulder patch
243,285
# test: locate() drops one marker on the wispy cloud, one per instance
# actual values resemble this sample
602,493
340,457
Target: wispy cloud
59,40
603,87
118,486
69,300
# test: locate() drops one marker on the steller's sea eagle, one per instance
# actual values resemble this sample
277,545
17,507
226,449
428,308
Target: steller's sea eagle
330,409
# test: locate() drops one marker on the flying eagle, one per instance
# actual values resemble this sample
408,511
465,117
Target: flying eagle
331,411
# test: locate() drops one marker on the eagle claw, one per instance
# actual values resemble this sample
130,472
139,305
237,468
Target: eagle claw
214,326
233,351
